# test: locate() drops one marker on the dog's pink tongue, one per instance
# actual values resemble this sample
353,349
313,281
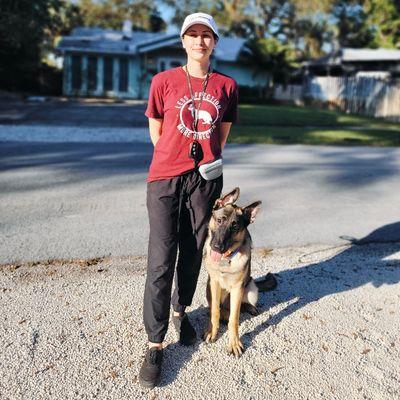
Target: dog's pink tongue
216,257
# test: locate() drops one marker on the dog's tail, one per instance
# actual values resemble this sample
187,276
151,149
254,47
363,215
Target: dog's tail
266,282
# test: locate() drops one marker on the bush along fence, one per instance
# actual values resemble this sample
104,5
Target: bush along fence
356,95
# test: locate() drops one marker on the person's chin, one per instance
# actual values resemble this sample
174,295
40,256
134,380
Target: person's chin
199,55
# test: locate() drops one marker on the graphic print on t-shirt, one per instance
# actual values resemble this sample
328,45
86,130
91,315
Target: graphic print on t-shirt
207,115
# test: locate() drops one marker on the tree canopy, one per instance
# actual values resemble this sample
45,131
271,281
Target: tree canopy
23,28
280,32
143,14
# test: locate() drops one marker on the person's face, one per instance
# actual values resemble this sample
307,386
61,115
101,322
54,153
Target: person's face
199,42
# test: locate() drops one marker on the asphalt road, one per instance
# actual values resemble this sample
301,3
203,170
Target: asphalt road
70,199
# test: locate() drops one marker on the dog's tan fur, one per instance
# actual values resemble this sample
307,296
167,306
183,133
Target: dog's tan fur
230,284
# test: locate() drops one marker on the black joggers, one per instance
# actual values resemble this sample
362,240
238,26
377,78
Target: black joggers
179,209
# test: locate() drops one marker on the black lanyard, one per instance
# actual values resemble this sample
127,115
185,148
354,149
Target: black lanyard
195,112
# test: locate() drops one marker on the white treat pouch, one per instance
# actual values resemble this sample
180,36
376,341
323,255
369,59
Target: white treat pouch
211,170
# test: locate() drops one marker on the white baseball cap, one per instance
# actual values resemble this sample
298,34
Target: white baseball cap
199,18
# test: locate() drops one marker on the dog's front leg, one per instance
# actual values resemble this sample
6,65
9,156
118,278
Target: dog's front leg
235,346
210,334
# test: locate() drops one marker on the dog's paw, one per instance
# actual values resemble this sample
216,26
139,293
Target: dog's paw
210,335
235,346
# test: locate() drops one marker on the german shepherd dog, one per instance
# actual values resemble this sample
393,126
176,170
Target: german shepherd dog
230,286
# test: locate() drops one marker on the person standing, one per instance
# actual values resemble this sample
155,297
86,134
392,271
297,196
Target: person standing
190,111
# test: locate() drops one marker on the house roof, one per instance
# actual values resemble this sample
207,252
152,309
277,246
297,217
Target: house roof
98,40
228,48
370,55
357,55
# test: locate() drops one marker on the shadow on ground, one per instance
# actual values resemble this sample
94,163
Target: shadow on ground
75,112
337,274
79,162
345,168
86,161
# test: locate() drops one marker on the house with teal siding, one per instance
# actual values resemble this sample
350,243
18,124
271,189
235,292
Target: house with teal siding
120,64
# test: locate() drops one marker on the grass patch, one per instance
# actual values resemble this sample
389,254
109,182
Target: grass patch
290,124
300,135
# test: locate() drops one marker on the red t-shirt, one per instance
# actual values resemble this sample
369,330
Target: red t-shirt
170,100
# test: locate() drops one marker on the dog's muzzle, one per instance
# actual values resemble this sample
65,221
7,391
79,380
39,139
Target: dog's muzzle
220,245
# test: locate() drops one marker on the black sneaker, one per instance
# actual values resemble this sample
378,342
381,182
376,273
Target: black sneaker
150,371
186,332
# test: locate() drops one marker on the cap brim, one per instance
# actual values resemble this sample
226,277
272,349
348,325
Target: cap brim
199,23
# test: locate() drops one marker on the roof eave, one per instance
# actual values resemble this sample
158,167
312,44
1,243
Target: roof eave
154,44
64,50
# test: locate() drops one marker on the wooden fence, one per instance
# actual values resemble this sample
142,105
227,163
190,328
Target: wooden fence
363,95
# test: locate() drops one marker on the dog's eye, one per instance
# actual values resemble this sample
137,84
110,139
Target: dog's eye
234,225
219,220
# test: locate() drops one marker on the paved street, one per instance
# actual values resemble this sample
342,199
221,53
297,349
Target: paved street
82,192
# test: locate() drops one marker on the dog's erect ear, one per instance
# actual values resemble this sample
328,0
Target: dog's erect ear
229,198
251,211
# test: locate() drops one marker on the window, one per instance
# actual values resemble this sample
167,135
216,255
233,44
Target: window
108,74
76,72
151,66
92,73
166,63
123,74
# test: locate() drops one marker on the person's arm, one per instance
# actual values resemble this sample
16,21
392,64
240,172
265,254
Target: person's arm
155,125
229,115
224,132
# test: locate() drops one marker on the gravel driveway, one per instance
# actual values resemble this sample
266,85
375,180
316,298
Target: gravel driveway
329,331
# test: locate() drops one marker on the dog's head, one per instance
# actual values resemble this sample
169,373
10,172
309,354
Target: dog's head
228,223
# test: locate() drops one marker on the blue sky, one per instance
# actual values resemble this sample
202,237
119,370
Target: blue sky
167,14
